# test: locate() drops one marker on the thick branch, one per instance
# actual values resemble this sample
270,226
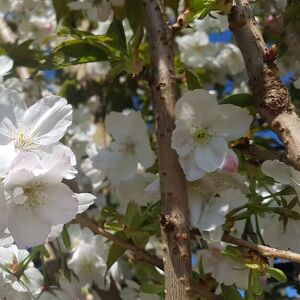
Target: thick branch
263,250
175,217
138,253
273,100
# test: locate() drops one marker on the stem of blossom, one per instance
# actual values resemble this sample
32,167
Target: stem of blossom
263,250
273,99
138,253
175,215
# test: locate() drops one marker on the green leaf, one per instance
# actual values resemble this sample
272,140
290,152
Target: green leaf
242,100
151,228
286,212
152,288
139,238
109,212
229,292
114,225
65,31
276,274
63,13
117,33
114,253
133,12
152,210
257,288
249,292
243,215
74,52
146,272
198,9
192,80
234,253
23,54
133,218
66,237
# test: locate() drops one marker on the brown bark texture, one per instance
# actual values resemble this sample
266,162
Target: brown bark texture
272,98
263,250
174,215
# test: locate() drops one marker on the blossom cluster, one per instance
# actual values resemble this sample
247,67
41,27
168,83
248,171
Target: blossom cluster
35,202
201,141
45,144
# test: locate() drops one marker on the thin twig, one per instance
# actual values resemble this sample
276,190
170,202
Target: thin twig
181,17
263,250
138,253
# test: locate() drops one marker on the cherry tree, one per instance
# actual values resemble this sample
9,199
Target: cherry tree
149,149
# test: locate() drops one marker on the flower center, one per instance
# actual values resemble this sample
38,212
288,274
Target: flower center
24,143
200,135
34,196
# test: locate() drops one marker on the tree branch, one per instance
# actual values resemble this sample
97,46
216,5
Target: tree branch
263,250
181,17
259,153
175,216
273,100
138,253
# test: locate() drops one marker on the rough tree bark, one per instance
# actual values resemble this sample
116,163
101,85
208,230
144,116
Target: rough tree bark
174,216
273,99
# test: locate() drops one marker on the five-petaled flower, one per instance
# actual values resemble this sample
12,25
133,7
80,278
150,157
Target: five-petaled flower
203,129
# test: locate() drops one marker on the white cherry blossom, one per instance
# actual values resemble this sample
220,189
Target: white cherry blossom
69,290
131,146
279,235
6,64
224,269
35,129
208,215
203,129
88,261
96,10
274,231
282,173
134,190
36,199
30,283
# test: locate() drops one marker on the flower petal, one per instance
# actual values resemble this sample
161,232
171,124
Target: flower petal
211,156
125,170
85,200
12,106
188,107
7,155
191,170
26,227
58,204
277,170
6,64
48,119
232,122
121,126
213,214
145,155
182,141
